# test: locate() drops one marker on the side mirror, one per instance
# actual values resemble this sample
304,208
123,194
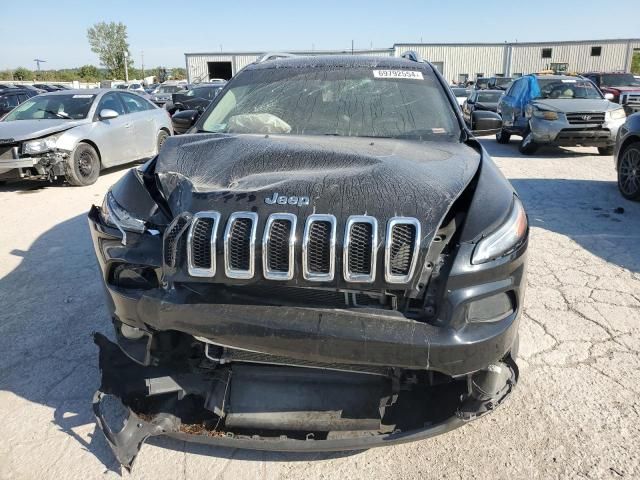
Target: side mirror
184,120
485,122
609,96
107,114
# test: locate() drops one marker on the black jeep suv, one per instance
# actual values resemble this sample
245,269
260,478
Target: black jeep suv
328,260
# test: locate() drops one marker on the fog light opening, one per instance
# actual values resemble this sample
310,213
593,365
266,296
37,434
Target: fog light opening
491,309
134,277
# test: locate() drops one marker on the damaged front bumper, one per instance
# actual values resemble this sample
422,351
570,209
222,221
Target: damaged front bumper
320,411
47,166
289,378
561,133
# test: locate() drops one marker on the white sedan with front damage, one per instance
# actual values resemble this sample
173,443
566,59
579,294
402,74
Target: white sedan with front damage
76,133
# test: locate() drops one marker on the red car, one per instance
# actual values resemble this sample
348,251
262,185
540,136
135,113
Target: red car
624,87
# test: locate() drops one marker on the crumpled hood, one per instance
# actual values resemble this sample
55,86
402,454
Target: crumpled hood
570,105
340,175
19,130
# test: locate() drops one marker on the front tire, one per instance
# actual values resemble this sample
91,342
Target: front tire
629,172
83,166
527,145
503,136
162,136
605,150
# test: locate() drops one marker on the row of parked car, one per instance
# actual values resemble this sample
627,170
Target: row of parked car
177,96
596,109
542,109
49,131
13,95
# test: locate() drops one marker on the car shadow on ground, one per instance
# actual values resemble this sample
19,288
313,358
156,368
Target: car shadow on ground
590,212
510,150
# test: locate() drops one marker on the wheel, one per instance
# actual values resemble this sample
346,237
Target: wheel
503,136
629,172
605,150
162,136
83,166
527,145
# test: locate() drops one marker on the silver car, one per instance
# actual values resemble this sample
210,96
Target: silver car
559,110
164,92
76,133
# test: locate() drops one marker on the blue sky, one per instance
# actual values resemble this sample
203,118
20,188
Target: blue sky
164,31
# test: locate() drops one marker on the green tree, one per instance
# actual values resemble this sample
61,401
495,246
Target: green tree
22,73
89,73
179,73
109,42
635,62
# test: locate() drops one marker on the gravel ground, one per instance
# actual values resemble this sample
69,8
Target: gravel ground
574,414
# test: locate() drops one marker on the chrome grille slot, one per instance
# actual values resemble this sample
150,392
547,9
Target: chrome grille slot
239,245
401,249
318,248
360,249
171,240
278,245
630,99
201,244
585,118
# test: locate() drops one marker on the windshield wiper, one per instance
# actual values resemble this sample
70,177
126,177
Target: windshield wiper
57,114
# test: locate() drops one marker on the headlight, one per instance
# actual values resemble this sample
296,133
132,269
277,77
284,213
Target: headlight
41,145
617,114
544,114
113,214
505,239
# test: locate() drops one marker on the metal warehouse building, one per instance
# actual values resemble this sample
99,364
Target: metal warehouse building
202,67
459,61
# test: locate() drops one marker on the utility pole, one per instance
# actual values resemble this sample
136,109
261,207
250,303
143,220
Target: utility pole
38,62
142,55
126,68
351,47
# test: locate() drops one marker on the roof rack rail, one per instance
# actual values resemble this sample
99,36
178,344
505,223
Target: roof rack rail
412,56
265,57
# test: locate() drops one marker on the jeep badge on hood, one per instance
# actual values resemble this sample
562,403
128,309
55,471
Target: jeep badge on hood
283,200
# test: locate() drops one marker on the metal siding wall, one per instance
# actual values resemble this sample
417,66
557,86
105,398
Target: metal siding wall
528,58
458,59
469,59
242,61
